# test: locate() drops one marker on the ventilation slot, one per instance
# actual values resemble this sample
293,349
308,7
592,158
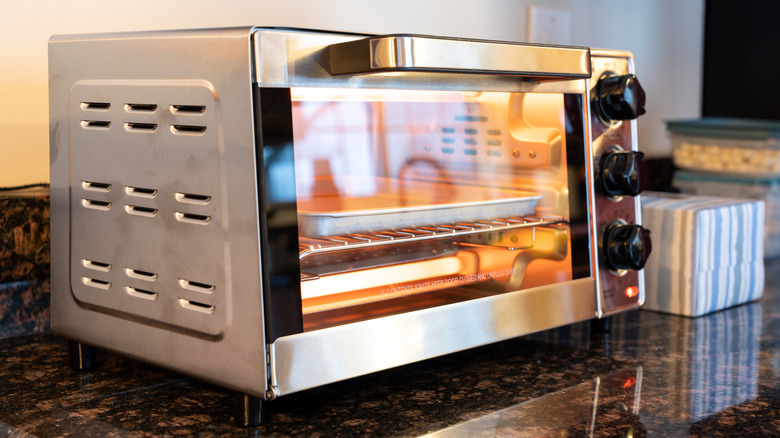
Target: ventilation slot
95,124
196,306
137,210
140,127
191,198
188,129
96,266
188,109
197,287
97,284
96,186
141,293
192,218
96,205
140,192
140,275
95,106
140,107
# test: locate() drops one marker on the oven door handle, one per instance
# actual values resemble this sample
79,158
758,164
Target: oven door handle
417,53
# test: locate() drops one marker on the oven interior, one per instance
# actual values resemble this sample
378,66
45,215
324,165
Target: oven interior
409,199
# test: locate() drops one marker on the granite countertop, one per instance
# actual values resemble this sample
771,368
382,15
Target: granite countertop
717,375
24,261
653,374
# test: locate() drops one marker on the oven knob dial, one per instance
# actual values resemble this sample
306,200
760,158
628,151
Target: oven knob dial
623,173
620,97
626,246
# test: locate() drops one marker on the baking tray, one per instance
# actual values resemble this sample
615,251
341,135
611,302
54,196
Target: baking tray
399,204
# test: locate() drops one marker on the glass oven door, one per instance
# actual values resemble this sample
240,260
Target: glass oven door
379,202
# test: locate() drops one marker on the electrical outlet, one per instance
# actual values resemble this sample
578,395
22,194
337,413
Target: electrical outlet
548,26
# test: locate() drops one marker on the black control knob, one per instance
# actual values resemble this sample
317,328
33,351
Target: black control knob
626,246
620,97
623,173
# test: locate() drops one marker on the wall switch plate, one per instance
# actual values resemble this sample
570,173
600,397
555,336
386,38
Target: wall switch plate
548,25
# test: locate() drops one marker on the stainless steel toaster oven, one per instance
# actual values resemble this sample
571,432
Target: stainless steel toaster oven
275,209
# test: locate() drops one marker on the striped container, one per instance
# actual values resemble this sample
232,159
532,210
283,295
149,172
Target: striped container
707,252
765,189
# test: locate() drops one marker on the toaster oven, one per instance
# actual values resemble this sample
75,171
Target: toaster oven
275,209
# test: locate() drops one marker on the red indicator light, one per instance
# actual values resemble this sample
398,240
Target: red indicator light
632,291
629,382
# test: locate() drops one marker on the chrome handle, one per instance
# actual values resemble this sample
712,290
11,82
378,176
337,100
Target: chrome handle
394,53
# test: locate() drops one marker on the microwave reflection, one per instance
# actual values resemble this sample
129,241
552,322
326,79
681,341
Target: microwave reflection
408,199
604,406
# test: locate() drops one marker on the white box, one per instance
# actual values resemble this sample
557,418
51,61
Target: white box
707,252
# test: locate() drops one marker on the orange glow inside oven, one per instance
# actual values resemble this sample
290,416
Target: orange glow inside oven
388,276
402,192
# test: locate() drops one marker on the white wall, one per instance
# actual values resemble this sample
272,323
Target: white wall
665,36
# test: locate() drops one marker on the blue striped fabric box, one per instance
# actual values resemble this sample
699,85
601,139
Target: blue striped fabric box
707,252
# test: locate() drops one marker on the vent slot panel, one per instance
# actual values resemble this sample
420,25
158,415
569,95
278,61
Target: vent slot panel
96,186
141,293
95,106
140,192
191,218
188,109
192,198
140,127
96,205
196,287
138,210
140,188
196,306
96,124
188,129
141,275
95,265
140,107
97,284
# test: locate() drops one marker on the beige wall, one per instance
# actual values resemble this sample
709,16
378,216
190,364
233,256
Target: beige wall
665,36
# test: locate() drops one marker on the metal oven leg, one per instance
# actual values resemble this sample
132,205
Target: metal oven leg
81,356
249,410
601,325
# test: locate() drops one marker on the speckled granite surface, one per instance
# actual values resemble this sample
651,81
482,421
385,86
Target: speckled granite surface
655,374
24,262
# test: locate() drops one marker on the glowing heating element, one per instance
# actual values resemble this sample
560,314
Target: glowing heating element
384,276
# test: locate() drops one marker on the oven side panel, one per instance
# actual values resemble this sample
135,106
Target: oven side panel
155,247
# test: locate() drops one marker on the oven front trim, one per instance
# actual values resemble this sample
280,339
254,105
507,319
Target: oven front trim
310,359
287,58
